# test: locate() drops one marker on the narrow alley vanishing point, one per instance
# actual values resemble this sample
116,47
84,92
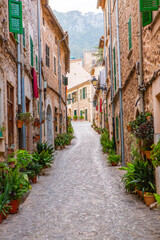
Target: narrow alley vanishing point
82,198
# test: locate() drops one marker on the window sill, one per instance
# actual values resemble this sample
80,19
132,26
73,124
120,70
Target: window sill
130,54
1,138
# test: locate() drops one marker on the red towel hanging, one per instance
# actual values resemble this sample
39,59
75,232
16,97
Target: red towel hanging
35,85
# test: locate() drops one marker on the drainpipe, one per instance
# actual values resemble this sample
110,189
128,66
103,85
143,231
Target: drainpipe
23,97
120,85
140,54
39,53
110,52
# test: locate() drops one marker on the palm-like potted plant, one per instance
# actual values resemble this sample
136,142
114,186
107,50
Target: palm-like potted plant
113,158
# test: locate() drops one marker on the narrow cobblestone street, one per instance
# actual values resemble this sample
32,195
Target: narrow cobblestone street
81,198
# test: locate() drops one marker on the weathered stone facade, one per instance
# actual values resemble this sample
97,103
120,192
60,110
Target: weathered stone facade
9,105
130,66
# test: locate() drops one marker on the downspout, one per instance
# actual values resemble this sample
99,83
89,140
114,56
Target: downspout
140,55
110,53
105,60
120,86
59,75
23,97
39,53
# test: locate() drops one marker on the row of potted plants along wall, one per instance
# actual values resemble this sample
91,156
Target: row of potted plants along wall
140,176
65,139
16,174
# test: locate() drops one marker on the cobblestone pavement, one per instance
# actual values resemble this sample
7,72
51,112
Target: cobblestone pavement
81,198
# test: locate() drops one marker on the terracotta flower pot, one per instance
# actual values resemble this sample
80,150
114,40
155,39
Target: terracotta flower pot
34,180
19,124
1,218
14,206
147,154
148,118
129,128
38,137
114,164
34,139
149,199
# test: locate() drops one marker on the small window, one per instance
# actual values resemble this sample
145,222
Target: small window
56,41
43,21
47,55
55,65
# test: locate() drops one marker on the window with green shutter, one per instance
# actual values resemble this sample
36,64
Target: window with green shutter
24,38
36,63
15,17
31,52
114,63
149,5
117,128
75,112
146,18
129,34
84,91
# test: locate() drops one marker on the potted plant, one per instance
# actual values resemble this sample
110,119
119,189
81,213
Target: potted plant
75,117
149,198
155,154
113,158
129,127
38,137
27,118
4,203
148,116
81,118
20,120
34,139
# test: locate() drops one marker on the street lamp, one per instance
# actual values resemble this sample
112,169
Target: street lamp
94,82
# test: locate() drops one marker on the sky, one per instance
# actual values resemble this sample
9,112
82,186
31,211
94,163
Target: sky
70,5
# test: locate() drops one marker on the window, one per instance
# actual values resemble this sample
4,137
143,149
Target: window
81,113
75,112
31,52
84,93
43,21
55,65
36,63
114,65
56,41
69,99
15,17
47,55
146,18
74,97
80,94
149,5
117,128
129,34
24,38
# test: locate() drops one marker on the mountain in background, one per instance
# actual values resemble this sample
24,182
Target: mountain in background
85,30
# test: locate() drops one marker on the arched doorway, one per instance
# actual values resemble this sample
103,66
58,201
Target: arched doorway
50,136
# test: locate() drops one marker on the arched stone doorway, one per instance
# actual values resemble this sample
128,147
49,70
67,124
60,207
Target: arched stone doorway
50,136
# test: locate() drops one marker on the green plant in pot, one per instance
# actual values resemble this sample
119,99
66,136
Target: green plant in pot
33,170
155,154
44,159
12,162
113,158
81,117
4,203
75,117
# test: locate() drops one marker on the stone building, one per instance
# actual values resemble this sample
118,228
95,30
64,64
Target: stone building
54,69
80,91
132,72
19,74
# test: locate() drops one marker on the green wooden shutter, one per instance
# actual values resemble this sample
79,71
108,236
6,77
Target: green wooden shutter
83,93
149,5
117,128
15,17
24,38
31,52
81,113
36,63
114,62
94,103
129,34
146,18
